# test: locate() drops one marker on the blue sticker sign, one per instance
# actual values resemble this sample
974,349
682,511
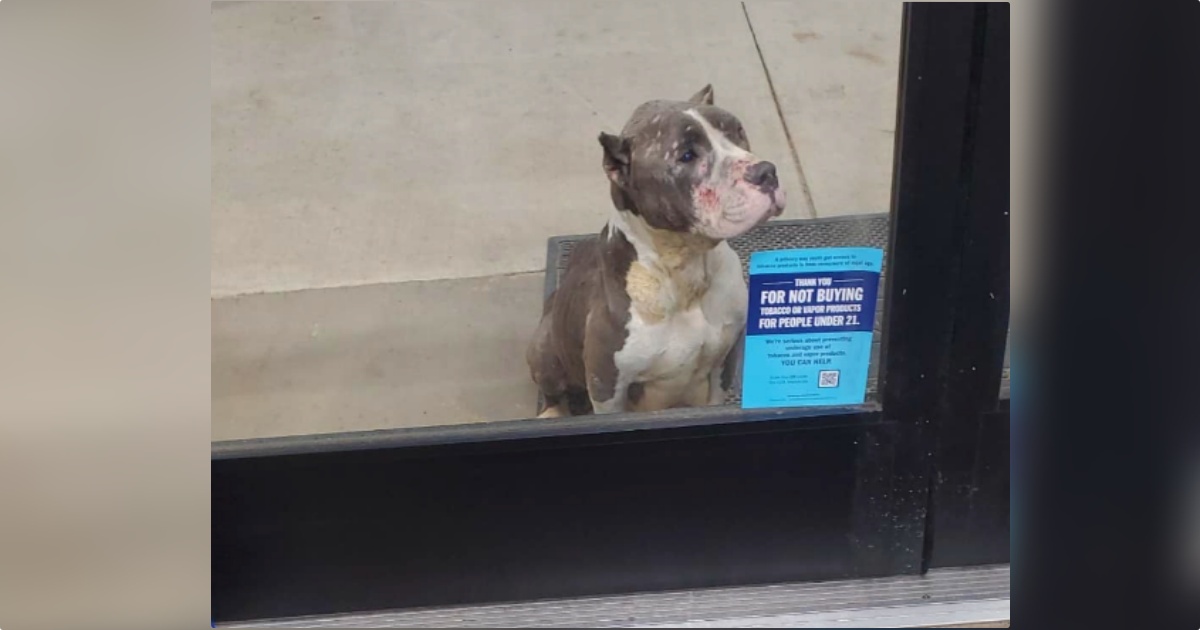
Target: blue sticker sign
809,326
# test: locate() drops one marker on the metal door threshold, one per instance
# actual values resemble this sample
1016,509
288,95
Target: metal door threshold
943,597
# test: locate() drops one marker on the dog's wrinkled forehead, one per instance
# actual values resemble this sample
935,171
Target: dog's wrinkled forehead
667,125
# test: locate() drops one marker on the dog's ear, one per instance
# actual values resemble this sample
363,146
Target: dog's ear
617,154
704,96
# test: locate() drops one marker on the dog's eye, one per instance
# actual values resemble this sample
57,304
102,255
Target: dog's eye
687,156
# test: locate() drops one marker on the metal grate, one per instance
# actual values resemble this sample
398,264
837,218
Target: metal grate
859,231
848,231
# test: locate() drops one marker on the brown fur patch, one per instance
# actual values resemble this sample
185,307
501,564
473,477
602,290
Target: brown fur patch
676,281
571,354
645,293
681,256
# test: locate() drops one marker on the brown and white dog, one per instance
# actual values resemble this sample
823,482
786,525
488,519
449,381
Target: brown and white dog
647,312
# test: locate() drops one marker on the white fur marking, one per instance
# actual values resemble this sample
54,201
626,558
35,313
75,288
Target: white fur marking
678,357
722,146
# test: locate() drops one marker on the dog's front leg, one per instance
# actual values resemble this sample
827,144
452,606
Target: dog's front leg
617,403
720,380
555,411
607,390
607,382
716,393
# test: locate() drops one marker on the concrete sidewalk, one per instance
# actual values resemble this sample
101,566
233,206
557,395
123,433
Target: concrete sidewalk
385,176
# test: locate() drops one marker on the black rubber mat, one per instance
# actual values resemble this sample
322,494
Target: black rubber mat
846,231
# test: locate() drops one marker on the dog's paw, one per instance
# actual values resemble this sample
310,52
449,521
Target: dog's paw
551,412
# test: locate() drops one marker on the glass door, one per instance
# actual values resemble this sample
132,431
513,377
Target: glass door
402,191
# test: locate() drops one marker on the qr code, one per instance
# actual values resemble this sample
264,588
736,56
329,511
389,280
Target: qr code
828,378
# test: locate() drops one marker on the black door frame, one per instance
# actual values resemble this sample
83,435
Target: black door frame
970,478
530,509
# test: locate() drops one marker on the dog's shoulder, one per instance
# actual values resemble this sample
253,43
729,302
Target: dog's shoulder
599,268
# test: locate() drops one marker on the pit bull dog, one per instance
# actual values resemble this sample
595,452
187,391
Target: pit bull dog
647,312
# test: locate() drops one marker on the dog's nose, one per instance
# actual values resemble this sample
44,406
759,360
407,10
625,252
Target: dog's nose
763,175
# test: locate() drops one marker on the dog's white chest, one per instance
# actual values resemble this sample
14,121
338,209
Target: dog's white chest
673,356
